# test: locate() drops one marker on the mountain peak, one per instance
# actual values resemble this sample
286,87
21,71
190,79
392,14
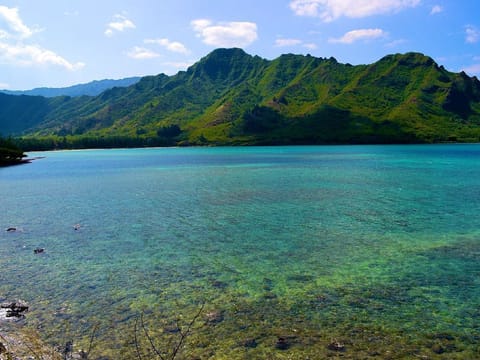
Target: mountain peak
231,97
227,52
409,59
225,63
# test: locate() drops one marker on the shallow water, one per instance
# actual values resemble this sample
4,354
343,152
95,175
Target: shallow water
291,250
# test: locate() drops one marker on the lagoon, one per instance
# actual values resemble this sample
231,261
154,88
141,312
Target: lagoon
286,252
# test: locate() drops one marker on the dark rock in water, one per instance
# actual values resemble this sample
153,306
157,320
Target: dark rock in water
438,349
282,343
250,343
267,284
39,250
81,355
214,317
219,284
300,278
68,349
443,343
171,329
444,336
336,346
269,295
15,310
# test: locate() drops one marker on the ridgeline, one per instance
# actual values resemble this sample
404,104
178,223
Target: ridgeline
232,98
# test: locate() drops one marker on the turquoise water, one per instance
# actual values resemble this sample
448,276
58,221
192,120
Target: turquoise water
285,250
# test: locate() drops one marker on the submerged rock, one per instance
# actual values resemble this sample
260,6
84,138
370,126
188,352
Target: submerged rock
335,345
214,317
13,310
285,342
282,343
171,329
250,343
269,295
438,349
219,284
3,349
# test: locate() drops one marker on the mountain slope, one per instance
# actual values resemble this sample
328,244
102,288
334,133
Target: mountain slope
230,97
92,88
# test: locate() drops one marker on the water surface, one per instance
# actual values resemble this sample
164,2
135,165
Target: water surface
287,250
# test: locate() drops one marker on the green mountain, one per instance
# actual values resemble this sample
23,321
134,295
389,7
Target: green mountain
230,97
92,88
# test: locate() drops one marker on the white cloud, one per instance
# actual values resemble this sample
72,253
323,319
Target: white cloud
4,86
329,10
29,55
16,51
141,53
360,34
472,34
173,46
119,24
225,34
436,10
200,24
11,17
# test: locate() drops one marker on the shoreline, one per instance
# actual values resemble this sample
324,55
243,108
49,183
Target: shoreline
22,343
21,162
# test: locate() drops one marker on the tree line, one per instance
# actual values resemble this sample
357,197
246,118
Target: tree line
165,136
10,152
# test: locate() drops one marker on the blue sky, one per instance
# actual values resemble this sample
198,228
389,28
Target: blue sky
58,43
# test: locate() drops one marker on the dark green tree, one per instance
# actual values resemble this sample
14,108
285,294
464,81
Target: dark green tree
10,154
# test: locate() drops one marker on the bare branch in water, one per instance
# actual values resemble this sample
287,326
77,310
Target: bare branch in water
137,347
152,344
183,335
176,349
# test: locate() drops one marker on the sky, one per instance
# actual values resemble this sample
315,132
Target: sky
59,43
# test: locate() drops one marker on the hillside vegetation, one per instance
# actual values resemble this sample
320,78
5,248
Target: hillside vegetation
10,154
230,98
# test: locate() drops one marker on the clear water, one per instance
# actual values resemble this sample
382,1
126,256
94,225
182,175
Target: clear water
290,249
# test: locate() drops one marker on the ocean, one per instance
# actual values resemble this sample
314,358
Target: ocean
302,252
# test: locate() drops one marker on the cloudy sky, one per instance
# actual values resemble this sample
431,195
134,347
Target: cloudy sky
58,43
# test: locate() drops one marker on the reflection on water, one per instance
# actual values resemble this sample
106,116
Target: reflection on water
294,252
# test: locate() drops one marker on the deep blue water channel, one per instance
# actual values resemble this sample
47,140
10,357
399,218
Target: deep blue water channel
288,249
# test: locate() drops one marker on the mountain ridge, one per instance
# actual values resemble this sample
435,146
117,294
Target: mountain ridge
230,97
92,88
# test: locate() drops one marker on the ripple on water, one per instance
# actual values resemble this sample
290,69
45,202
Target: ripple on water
292,252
